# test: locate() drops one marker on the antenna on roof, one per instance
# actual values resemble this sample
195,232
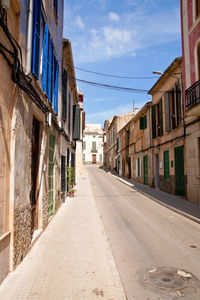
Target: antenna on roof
133,104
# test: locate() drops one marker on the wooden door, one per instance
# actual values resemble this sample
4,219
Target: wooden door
94,158
179,171
34,172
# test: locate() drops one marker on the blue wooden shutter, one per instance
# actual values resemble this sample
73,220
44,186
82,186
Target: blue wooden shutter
55,101
36,37
45,57
49,72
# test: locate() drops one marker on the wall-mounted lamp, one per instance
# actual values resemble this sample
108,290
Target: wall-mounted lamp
5,4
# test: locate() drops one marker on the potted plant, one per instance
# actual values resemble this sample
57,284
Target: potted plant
71,192
71,180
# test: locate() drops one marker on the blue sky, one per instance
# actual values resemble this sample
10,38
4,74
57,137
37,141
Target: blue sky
125,38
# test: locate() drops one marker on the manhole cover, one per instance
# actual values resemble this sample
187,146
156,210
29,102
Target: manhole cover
166,279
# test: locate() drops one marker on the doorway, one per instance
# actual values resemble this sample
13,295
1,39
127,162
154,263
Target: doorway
145,169
179,171
34,173
156,171
94,158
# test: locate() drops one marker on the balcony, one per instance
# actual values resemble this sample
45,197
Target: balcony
193,95
94,150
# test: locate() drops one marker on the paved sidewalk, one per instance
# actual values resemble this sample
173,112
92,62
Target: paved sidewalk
71,260
175,203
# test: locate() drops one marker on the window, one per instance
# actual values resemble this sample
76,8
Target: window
100,157
44,63
69,112
94,146
84,145
172,108
166,165
83,156
55,5
36,37
198,156
197,8
138,167
64,95
153,121
63,174
94,136
143,122
160,118
76,122
198,60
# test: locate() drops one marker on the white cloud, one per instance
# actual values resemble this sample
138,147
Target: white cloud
79,22
113,17
139,29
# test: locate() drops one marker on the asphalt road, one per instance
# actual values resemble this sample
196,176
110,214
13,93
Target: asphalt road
150,244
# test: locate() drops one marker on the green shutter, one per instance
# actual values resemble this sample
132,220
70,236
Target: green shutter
93,145
100,157
84,145
64,95
167,113
166,165
76,122
153,121
141,123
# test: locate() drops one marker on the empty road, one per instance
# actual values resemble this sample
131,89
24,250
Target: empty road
157,251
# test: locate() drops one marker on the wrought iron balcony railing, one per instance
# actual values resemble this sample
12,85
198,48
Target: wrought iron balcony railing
193,95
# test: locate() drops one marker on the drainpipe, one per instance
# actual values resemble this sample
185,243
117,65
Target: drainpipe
29,37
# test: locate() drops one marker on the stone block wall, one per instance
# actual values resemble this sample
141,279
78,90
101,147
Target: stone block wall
22,232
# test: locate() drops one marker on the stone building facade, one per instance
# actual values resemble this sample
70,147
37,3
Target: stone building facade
190,25
111,147
36,143
168,131
93,144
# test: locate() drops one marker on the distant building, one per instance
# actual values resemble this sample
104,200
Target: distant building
93,144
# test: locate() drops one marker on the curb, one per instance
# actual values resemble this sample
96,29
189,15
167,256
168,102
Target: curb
122,180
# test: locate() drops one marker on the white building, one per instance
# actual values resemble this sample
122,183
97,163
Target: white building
93,144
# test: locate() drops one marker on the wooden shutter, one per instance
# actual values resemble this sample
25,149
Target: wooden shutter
69,112
160,123
64,95
93,145
167,112
153,121
55,98
63,174
45,55
76,122
36,37
166,165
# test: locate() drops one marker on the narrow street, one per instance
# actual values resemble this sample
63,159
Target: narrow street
144,236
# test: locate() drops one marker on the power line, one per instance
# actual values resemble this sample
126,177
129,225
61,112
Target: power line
113,87
115,76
